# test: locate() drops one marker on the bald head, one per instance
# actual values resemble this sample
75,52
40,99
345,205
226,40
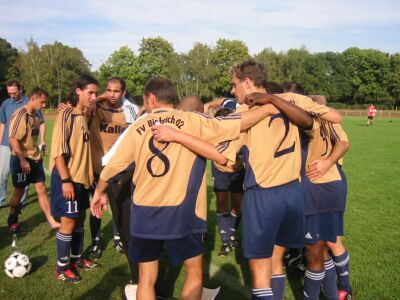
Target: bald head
190,103
320,99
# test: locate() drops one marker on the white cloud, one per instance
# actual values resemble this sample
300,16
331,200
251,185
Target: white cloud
99,27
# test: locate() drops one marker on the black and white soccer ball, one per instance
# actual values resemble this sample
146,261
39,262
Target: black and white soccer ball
17,265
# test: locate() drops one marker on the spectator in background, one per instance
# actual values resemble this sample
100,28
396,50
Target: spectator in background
371,114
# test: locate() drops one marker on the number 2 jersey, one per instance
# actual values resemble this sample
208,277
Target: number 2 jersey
271,149
169,201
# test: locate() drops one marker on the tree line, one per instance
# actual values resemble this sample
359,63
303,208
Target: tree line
352,77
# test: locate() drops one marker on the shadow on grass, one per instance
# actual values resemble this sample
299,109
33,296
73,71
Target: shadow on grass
106,286
295,277
37,263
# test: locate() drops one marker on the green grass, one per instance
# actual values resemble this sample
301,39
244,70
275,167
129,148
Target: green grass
372,236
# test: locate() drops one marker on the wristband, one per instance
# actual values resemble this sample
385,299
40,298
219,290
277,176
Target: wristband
66,180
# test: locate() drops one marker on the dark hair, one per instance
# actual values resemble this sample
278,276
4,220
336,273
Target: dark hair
162,88
273,88
80,82
14,83
120,80
293,87
250,69
39,92
223,112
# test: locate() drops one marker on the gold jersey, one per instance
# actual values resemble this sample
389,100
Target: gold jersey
71,139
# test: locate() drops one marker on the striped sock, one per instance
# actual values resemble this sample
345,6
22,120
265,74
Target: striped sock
262,294
329,281
77,243
63,242
342,266
223,222
278,286
312,284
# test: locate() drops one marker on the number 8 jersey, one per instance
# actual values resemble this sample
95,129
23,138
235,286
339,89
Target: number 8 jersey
169,200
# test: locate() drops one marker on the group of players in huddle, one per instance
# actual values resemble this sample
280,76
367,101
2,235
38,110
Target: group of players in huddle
280,151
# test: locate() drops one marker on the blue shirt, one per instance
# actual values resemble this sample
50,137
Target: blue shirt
8,107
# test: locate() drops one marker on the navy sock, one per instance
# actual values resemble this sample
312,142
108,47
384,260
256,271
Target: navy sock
223,222
329,282
312,284
342,266
95,229
13,218
77,243
262,294
117,237
235,221
63,242
278,286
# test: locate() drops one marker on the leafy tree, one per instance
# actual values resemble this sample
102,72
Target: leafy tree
8,67
123,63
226,53
155,55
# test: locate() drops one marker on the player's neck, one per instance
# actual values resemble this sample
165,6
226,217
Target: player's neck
29,108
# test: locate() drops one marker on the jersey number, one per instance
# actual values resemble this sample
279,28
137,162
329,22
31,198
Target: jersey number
21,177
157,153
286,122
72,207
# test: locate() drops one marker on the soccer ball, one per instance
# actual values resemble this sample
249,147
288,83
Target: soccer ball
17,265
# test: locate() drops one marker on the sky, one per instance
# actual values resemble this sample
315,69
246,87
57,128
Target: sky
100,27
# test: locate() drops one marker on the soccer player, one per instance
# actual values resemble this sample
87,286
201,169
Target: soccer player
71,176
371,114
26,158
169,202
326,189
273,213
111,117
190,103
8,107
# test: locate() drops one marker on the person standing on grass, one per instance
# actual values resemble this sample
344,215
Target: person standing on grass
71,177
8,107
169,204
26,157
112,116
371,114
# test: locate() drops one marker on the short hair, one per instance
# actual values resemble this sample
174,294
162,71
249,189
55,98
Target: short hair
293,87
250,69
223,112
191,103
38,91
273,88
121,81
14,83
162,88
80,82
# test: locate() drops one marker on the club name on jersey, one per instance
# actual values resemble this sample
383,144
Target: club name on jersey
171,120
116,129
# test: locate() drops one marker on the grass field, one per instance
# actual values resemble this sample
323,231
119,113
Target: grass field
372,236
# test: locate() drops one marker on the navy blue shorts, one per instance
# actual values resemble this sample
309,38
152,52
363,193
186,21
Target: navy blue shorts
145,250
227,182
20,179
60,206
323,227
273,216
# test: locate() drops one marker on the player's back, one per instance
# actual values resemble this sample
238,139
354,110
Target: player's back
169,179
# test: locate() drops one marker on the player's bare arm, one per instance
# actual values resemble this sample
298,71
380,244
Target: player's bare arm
99,200
215,103
252,117
165,133
318,168
67,186
294,113
25,166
